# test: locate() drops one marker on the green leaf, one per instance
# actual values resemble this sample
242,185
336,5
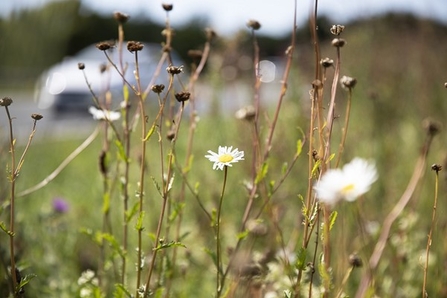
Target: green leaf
157,186
25,280
284,167
212,254
332,219
262,173
125,93
196,188
121,151
242,235
316,167
187,168
130,213
139,224
150,133
169,244
4,229
301,256
106,203
178,207
299,147
287,294
114,244
121,292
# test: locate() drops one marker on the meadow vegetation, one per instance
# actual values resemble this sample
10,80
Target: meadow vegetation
140,211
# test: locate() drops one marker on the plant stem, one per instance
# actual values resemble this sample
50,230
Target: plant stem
220,281
12,203
430,234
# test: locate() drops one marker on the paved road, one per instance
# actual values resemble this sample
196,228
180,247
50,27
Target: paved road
73,126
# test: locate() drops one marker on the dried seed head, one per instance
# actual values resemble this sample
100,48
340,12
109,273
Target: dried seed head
157,88
195,54
167,7
81,66
437,168
121,17
337,29
134,46
36,116
256,228
326,62
102,67
210,34
5,101
253,24
317,84
355,261
103,46
338,42
348,82
166,49
182,96
170,135
247,113
173,70
432,127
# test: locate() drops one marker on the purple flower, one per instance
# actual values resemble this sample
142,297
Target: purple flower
60,205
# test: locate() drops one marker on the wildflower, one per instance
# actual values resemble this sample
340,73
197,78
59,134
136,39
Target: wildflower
225,157
348,183
60,205
100,114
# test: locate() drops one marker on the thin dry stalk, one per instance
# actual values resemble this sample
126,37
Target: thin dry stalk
418,172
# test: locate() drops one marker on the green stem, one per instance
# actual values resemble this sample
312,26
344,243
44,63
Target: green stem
220,281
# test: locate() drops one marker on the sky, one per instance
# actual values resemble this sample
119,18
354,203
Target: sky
229,16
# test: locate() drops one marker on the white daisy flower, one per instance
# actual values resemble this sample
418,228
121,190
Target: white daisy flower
225,157
99,114
348,183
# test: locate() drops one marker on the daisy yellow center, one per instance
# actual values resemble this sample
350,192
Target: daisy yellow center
348,188
225,158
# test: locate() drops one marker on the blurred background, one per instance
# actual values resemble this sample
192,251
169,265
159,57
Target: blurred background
37,34
396,49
